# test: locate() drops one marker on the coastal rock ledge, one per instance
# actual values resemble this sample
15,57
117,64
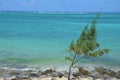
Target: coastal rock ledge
99,73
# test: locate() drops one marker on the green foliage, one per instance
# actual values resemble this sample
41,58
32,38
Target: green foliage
68,58
86,45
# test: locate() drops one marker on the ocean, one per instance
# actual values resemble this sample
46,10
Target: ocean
30,39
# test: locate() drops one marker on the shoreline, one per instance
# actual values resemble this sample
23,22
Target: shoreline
58,67
78,73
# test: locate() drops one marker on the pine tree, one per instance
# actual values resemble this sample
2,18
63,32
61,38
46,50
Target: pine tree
86,46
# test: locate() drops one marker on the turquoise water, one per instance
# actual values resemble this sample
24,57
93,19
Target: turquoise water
33,38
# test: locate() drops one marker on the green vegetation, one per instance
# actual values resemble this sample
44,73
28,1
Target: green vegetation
86,46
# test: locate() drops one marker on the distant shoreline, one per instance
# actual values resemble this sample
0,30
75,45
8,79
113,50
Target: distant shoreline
57,12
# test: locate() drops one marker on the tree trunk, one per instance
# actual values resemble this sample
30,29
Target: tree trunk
73,62
69,74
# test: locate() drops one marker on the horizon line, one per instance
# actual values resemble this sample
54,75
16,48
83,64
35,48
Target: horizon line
56,11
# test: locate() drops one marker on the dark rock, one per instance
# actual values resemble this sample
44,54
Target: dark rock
39,73
77,74
104,71
118,74
96,76
14,72
54,74
4,71
49,71
60,75
73,78
111,73
65,74
9,72
33,75
28,72
23,76
83,71
101,70
57,74
53,79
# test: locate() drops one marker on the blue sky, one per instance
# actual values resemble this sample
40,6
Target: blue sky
61,5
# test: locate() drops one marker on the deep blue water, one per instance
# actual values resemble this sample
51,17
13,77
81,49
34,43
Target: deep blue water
42,38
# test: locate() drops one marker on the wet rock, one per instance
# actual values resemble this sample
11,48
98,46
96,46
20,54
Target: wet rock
39,73
118,74
57,74
77,74
52,73
100,70
60,75
22,76
14,72
83,71
104,71
65,73
28,72
33,74
49,71
4,71
96,76
110,73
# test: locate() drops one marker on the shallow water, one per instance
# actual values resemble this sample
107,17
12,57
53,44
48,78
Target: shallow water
29,38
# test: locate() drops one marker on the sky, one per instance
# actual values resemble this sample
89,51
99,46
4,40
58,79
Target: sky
61,5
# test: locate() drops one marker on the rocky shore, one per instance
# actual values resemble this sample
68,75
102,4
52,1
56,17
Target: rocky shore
99,73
